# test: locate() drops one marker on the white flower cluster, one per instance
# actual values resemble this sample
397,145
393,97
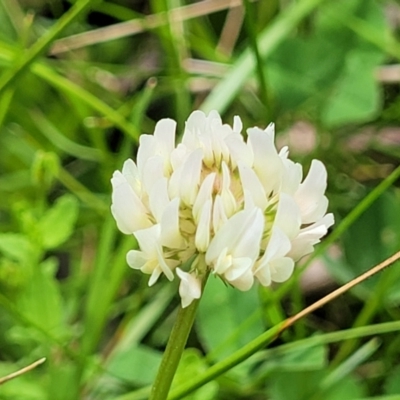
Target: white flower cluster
239,208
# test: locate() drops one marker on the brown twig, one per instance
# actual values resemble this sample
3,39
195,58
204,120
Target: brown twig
135,26
22,371
336,293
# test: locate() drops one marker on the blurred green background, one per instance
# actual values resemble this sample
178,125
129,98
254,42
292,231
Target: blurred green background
81,80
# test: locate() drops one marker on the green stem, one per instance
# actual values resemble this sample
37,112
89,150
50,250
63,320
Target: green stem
39,47
252,34
173,352
228,363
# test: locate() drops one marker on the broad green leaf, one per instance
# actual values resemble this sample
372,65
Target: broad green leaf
17,247
373,237
392,384
192,364
58,223
63,380
300,359
41,299
137,364
227,318
25,387
302,385
330,73
356,96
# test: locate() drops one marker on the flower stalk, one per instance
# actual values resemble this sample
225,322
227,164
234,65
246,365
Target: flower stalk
173,352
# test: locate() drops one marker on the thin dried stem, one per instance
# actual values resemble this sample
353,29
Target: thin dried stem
230,31
136,26
346,287
271,335
22,371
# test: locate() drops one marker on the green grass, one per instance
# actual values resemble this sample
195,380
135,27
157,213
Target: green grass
68,119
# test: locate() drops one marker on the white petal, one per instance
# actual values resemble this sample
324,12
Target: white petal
244,282
252,229
223,262
267,163
278,246
158,198
136,259
145,150
195,125
160,144
131,174
148,239
150,243
154,276
281,269
240,266
240,151
219,216
227,197
241,234
310,194
164,134
127,209
179,156
293,173
170,233
237,124
184,182
203,195
163,265
253,186
304,243
152,173
264,276
202,238
189,288
288,216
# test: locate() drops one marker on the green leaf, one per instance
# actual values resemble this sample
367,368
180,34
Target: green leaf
373,237
192,364
356,96
138,365
300,359
330,73
392,384
41,299
25,387
17,247
301,385
57,224
227,318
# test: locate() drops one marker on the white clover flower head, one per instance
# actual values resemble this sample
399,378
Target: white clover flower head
240,208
